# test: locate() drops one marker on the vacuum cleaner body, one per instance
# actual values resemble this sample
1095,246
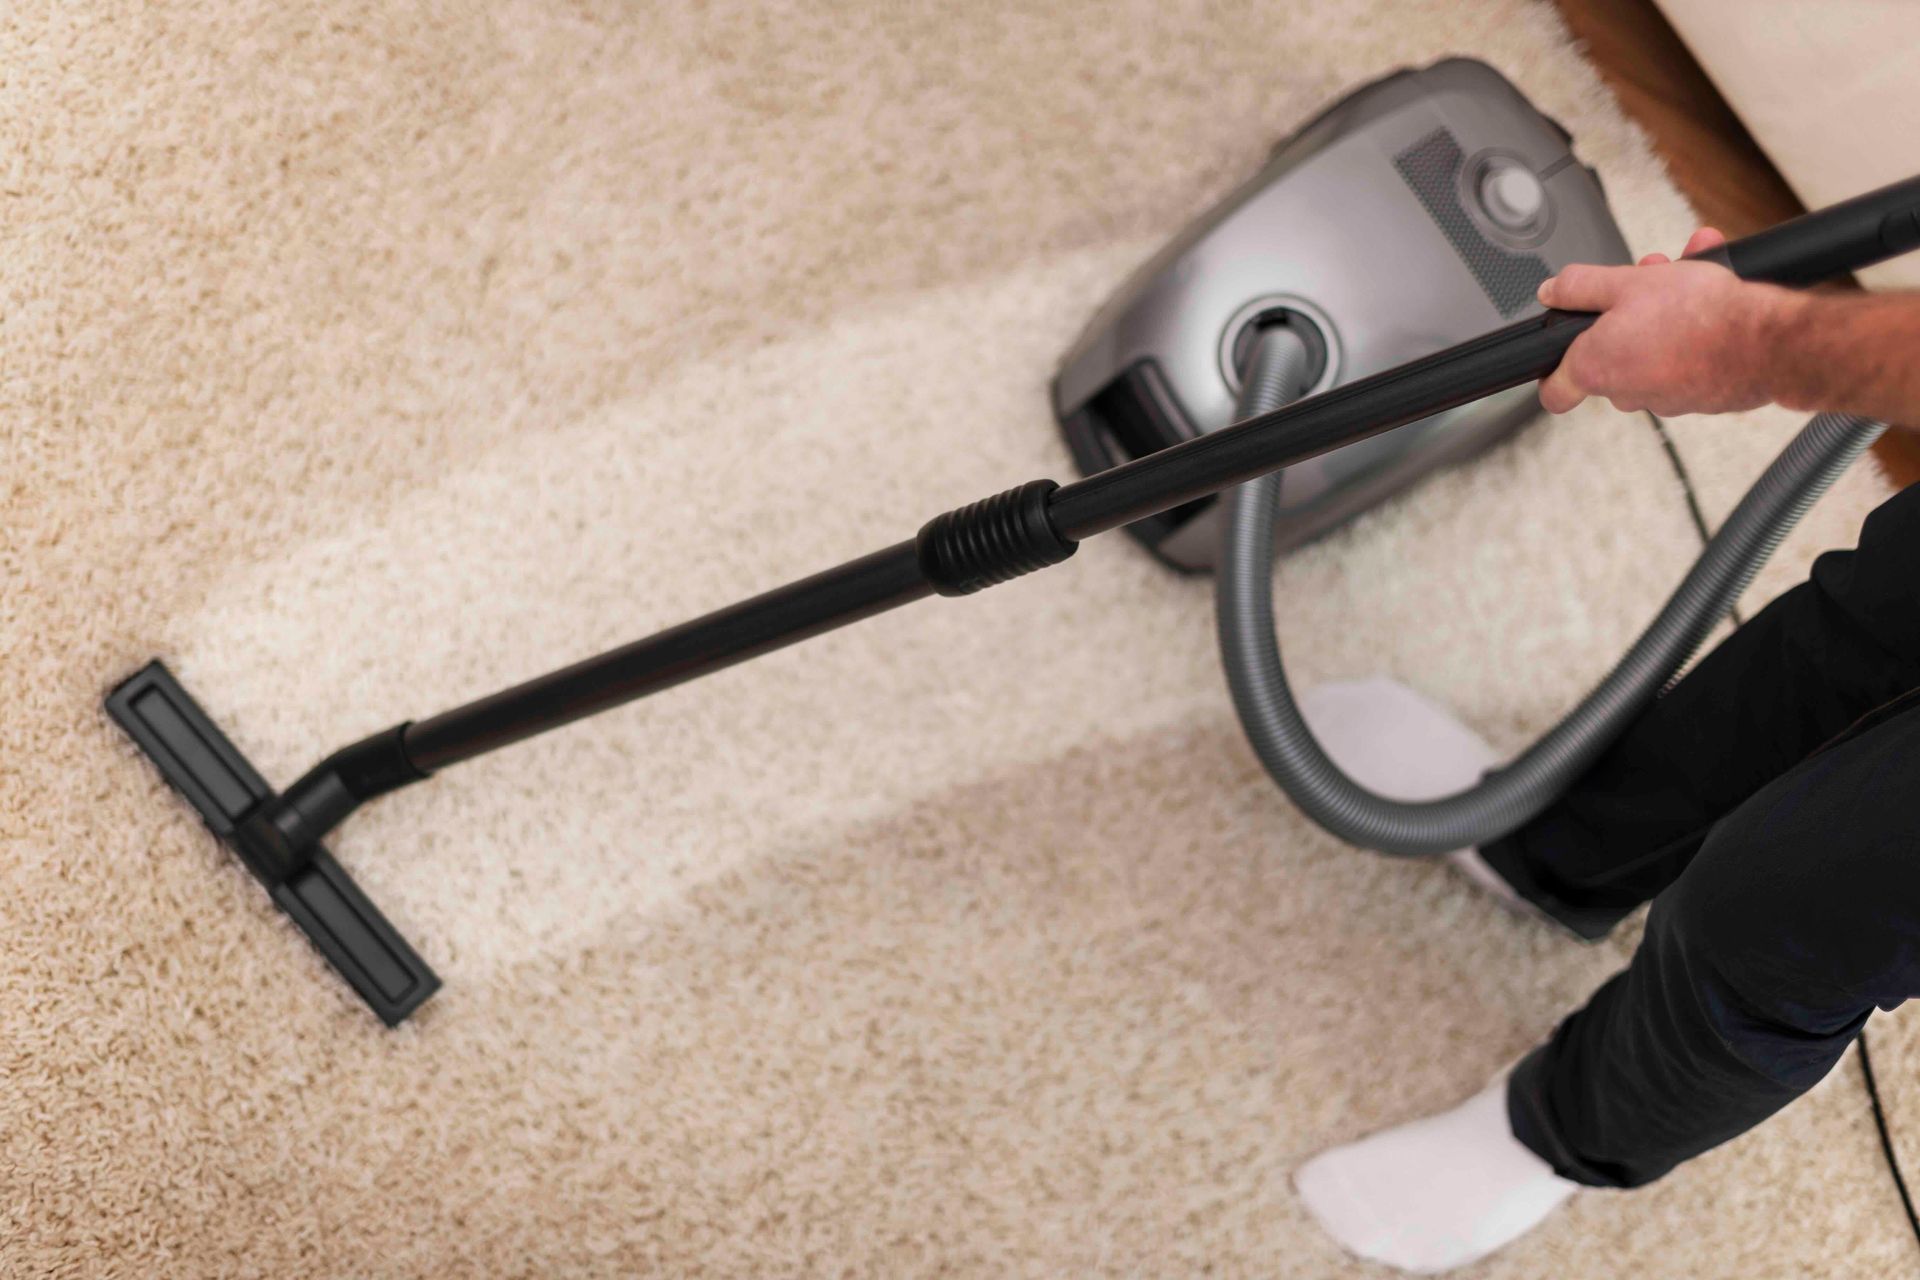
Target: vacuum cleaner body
1416,213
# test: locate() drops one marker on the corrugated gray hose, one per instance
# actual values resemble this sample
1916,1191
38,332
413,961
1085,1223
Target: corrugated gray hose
1509,796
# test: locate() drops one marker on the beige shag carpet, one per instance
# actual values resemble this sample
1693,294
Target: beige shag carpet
360,357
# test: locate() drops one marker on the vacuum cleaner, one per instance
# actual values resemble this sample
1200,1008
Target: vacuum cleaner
1419,211
1244,359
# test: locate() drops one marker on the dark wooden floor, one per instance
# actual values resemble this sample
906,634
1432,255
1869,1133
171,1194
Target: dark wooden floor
1714,160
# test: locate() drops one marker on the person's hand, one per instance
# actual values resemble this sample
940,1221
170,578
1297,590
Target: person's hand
1673,337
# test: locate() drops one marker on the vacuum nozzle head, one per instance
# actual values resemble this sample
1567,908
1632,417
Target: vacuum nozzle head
238,806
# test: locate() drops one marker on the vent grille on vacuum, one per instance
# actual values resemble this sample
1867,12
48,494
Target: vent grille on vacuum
1431,167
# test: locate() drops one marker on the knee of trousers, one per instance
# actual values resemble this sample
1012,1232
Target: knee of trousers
1783,946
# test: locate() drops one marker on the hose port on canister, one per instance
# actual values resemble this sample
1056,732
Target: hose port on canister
1315,331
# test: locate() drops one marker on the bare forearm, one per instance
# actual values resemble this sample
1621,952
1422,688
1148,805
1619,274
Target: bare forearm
1691,337
1851,353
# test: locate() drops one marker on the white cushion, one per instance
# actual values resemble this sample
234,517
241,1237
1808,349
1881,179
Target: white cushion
1829,88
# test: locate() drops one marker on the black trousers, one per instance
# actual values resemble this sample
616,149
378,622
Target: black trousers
1769,807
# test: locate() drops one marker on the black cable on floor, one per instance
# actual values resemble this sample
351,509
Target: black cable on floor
1886,1135
1866,1059
1686,481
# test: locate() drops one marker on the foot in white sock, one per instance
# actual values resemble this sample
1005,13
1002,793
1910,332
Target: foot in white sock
1395,742
1434,1194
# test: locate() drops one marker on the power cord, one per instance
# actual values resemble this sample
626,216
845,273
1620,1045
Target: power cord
1886,1135
1866,1058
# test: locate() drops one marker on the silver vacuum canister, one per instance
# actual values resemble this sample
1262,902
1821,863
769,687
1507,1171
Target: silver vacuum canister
1416,213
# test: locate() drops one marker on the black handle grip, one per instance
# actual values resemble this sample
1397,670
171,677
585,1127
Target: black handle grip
1829,242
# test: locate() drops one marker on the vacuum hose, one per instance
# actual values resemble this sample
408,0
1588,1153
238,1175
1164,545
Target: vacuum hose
1506,798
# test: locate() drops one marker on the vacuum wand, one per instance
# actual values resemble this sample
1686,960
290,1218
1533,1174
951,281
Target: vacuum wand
1012,534
962,551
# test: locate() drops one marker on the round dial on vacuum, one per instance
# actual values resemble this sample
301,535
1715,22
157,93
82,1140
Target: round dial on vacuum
1511,196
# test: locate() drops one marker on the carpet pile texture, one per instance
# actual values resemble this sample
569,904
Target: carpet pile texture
358,358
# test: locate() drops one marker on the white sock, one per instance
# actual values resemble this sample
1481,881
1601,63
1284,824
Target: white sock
1393,741
1434,1194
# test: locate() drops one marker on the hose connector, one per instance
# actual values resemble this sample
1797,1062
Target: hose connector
279,837
992,541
